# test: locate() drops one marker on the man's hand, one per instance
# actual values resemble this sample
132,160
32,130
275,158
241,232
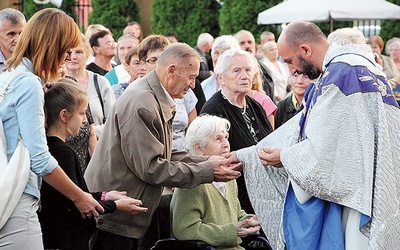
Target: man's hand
271,156
233,162
221,170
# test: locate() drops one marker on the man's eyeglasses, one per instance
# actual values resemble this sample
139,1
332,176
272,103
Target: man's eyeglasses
111,44
152,60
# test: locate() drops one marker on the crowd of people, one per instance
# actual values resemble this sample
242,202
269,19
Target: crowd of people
295,140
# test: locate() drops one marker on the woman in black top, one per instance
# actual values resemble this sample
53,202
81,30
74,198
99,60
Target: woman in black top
235,71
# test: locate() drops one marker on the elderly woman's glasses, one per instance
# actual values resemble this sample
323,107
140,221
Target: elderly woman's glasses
152,60
298,74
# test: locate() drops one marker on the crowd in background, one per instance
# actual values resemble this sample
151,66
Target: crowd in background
114,125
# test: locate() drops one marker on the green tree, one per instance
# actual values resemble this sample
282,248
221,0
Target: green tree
30,8
390,28
186,18
115,14
326,27
236,15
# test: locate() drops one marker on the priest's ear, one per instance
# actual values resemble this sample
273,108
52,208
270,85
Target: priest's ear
305,51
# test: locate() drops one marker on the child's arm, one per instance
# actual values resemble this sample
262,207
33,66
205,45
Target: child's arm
130,205
117,200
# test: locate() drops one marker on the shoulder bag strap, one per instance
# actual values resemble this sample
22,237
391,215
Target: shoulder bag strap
96,85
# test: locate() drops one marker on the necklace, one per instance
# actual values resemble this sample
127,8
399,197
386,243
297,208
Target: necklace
243,110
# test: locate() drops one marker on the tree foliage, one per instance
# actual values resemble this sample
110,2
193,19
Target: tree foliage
186,18
390,28
326,27
115,14
30,8
236,15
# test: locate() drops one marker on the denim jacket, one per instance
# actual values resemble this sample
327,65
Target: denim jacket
22,114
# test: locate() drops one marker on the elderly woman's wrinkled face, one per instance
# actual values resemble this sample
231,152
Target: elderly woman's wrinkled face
77,59
218,144
216,52
300,83
238,78
394,51
272,52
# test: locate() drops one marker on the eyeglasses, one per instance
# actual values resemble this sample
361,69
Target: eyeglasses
111,44
68,57
152,60
297,74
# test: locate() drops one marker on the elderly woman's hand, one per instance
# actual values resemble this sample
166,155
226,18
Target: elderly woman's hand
221,171
247,227
233,162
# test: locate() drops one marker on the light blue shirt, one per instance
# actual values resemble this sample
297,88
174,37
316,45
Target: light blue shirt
209,86
22,114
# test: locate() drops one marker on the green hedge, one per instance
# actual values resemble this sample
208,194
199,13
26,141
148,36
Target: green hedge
29,8
186,18
115,14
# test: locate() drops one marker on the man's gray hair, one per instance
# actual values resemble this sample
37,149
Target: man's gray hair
202,129
178,53
265,34
12,15
345,36
204,38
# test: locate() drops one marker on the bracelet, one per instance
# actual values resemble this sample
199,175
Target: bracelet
103,196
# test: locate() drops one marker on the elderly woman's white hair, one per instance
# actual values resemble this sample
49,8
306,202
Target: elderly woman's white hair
225,60
395,41
224,42
347,36
202,129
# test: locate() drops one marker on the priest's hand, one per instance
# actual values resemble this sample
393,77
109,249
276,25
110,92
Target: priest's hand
270,157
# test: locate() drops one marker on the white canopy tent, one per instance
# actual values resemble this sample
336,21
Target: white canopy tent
328,10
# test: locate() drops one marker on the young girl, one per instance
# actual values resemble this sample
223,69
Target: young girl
62,225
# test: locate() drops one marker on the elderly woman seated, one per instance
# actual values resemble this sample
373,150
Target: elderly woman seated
210,212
